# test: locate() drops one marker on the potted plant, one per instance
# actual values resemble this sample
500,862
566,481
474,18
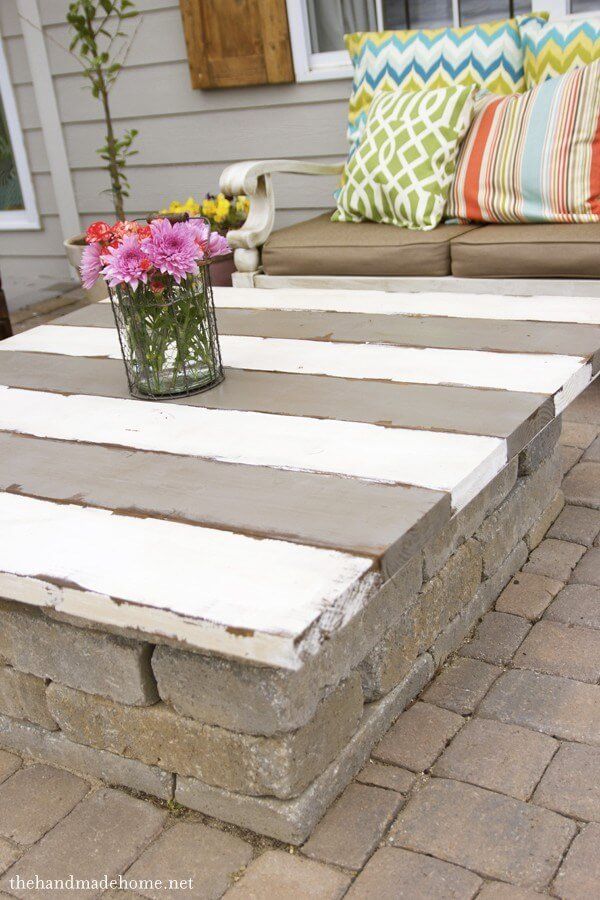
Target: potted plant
224,214
96,26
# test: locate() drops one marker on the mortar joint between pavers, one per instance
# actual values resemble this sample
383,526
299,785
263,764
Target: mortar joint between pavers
546,767
577,823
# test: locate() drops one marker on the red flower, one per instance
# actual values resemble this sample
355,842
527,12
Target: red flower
118,231
145,265
97,233
104,251
157,287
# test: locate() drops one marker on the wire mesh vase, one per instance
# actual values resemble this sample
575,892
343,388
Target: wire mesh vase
169,339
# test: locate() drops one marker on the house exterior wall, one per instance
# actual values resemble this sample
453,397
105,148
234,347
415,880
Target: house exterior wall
186,136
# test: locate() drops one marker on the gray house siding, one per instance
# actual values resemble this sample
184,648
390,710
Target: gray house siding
186,136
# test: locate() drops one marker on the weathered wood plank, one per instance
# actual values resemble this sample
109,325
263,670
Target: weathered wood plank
387,522
456,463
516,417
539,308
57,549
570,339
540,373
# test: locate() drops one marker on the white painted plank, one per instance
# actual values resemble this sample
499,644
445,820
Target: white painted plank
273,587
456,463
538,373
539,308
572,388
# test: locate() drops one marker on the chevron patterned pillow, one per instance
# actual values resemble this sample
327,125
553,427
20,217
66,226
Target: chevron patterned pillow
488,55
401,171
555,48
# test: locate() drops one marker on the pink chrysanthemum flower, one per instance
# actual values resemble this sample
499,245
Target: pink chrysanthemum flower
201,230
172,248
217,244
210,242
127,263
91,265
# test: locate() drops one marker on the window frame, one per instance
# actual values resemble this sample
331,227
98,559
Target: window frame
26,219
310,66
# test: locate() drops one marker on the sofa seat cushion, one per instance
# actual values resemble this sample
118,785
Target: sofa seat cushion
528,251
322,247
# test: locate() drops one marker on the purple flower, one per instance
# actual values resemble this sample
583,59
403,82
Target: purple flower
127,263
210,242
172,248
217,244
91,265
201,230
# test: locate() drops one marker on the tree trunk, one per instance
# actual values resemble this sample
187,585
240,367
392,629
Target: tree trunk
5,326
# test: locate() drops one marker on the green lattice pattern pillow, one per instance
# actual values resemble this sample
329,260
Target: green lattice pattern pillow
401,171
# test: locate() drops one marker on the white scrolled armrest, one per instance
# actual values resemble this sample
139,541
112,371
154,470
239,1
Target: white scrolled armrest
254,180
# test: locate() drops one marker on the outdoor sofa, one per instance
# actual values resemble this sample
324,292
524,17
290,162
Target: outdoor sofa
519,258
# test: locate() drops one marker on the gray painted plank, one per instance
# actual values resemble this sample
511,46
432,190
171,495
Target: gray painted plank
171,92
159,39
291,192
388,523
52,12
517,417
407,331
317,128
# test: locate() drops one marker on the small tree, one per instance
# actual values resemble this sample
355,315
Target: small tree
97,25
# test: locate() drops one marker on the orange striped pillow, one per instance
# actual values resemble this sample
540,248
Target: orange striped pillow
533,157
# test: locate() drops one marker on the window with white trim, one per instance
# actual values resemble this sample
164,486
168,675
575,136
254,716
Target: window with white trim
317,27
582,6
18,209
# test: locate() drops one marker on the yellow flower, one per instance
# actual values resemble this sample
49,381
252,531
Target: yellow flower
174,207
242,205
223,205
209,208
190,206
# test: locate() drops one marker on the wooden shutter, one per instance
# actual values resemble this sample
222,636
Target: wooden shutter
231,43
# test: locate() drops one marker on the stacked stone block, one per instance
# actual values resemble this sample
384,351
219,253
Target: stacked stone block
267,748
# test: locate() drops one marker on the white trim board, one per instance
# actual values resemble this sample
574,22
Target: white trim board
94,553
458,464
19,219
525,372
415,284
47,106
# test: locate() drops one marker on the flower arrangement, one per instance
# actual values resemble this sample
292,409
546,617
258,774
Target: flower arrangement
134,253
159,284
222,212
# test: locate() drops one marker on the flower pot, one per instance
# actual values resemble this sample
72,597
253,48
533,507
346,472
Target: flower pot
169,339
221,271
74,248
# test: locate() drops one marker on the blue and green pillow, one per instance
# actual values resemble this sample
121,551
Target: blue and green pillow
555,48
489,55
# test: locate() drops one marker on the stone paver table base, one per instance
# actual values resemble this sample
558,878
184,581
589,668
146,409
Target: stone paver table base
228,599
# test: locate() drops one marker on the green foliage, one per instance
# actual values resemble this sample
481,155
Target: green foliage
97,27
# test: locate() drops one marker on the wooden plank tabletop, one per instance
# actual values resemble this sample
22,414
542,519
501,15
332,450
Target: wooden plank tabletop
250,519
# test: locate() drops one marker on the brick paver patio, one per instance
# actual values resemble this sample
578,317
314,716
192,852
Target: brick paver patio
488,786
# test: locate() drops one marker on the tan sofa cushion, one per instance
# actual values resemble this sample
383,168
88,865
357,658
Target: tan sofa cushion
322,247
528,251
